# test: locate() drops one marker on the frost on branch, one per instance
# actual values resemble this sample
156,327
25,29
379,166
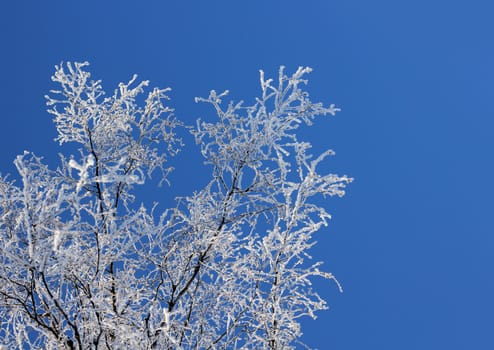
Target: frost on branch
228,267
115,130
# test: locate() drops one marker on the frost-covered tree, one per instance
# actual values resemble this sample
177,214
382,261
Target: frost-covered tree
84,266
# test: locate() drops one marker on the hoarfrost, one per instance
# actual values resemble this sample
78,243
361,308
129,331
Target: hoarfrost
228,267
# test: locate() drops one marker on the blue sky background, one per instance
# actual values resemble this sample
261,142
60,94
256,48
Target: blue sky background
412,242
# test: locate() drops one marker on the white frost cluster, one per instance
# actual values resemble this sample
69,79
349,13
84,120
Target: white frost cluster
228,267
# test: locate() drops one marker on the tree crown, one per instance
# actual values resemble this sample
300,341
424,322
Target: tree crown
228,267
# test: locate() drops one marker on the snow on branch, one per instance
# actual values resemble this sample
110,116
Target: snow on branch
82,266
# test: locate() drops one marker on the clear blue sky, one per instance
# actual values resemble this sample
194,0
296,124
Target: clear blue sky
413,242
